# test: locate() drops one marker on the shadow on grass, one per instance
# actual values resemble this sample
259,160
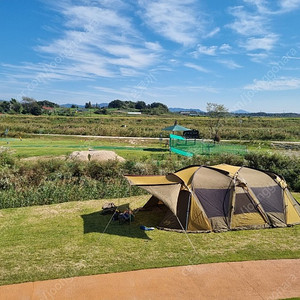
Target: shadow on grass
156,149
97,222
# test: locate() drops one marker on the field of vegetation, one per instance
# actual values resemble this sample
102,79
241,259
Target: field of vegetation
48,181
244,128
50,227
57,179
74,239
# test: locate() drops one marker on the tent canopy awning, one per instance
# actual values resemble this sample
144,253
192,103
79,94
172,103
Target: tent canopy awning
176,128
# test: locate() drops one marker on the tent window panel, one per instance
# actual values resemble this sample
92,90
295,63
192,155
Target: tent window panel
215,202
243,205
271,198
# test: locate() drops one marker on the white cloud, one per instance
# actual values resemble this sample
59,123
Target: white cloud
127,55
262,43
111,91
196,67
280,7
258,57
211,50
247,24
230,64
86,17
288,5
153,46
253,20
261,5
213,32
279,84
225,48
95,42
176,20
201,88
186,88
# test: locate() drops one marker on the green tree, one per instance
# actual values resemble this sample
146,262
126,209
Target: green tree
101,111
30,106
15,106
88,105
47,103
35,110
217,114
4,106
129,104
140,105
158,108
116,104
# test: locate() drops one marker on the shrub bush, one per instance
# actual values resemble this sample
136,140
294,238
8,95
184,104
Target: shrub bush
56,181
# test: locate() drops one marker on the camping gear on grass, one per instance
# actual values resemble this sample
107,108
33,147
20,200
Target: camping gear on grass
108,208
126,216
220,198
145,228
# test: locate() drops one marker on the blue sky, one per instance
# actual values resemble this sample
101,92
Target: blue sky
244,54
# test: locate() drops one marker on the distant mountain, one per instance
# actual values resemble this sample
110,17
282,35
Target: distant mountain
68,105
240,111
277,115
178,109
102,104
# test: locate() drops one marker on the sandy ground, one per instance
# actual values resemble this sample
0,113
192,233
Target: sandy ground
95,155
273,279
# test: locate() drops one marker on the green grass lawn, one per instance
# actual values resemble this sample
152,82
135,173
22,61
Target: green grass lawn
55,146
73,239
127,148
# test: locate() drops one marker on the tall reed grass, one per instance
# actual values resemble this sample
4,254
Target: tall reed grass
250,128
55,181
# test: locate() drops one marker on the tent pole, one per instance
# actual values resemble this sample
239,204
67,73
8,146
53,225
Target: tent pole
188,213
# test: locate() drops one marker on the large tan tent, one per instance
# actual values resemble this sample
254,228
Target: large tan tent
220,198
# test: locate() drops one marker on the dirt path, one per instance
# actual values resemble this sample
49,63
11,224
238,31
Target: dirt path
99,136
274,279
143,138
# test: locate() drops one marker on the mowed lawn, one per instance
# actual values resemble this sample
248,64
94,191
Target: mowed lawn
52,146
74,239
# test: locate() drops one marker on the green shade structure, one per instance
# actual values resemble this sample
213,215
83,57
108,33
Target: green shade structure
176,127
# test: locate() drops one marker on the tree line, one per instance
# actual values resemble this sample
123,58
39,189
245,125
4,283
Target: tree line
155,108
31,106
27,106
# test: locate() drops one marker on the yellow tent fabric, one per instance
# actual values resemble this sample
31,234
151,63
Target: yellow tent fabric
232,170
198,220
292,209
223,197
150,180
186,175
165,193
